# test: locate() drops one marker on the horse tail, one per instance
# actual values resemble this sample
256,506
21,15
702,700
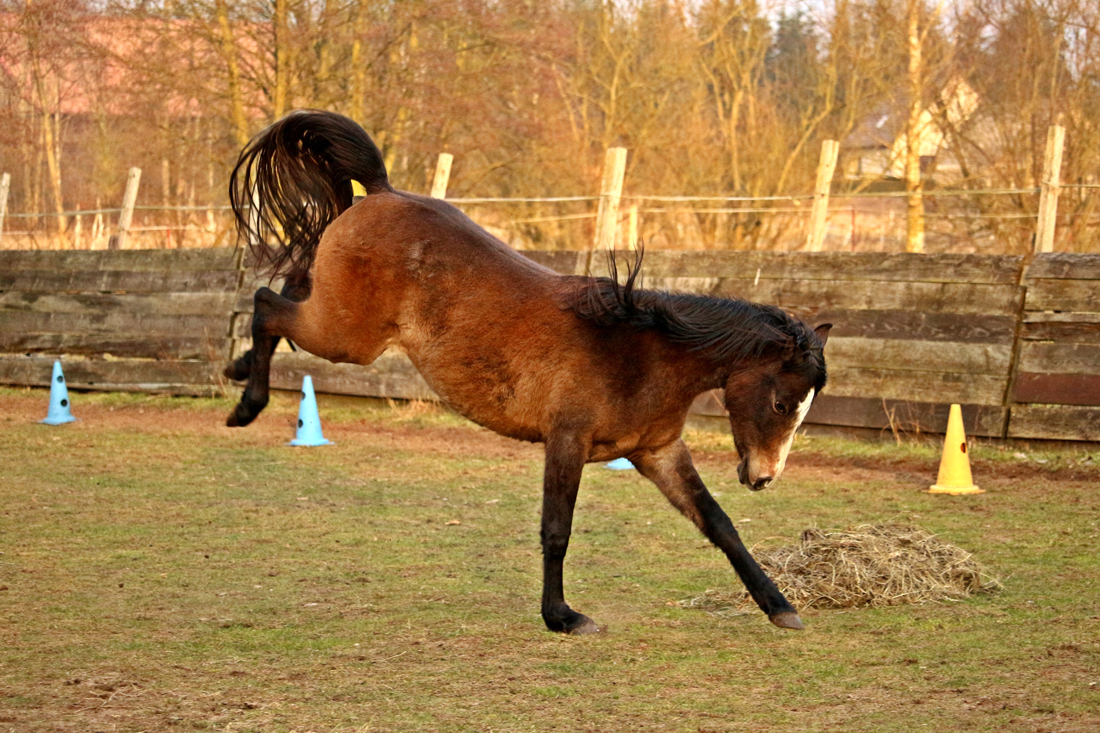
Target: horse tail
293,179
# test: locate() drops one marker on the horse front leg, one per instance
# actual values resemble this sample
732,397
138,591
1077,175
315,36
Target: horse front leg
271,319
565,456
675,475
296,288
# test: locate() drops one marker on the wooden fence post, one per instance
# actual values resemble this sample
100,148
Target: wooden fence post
127,214
815,239
611,190
442,175
632,227
5,186
1049,189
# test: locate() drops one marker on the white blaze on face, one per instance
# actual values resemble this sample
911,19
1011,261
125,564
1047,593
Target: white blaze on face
799,416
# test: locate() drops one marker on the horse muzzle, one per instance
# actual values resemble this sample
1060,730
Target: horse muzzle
754,484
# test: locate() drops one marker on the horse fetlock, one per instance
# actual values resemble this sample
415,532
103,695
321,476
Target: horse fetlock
240,369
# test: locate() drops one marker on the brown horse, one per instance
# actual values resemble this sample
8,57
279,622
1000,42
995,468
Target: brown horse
592,368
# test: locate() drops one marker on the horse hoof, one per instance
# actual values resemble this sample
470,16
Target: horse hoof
788,620
240,417
585,627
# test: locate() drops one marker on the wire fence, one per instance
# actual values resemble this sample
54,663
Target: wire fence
987,220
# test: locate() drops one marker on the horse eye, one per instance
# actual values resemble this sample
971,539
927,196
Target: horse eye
781,408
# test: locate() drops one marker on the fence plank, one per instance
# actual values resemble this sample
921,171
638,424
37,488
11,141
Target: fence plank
850,266
108,281
1064,266
927,297
15,323
1074,333
919,356
977,389
1056,317
122,375
1055,423
1063,295
1057,389
909,417
133,260
1058,358
910,325
391,375
142,345
161,304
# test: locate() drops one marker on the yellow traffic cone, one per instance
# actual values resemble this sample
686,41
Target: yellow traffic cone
955,475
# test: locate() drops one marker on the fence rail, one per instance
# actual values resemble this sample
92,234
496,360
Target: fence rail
1015,340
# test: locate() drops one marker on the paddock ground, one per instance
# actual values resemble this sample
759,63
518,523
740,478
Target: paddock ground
162,572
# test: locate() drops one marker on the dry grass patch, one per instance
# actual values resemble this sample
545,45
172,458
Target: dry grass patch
869,565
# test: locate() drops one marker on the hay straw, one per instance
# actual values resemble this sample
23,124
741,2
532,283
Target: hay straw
868,565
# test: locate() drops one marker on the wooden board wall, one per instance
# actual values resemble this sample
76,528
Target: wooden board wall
912,333
1056,391
150,320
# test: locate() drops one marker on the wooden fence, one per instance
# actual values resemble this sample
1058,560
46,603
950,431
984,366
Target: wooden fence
1056,386
155,320
1016,341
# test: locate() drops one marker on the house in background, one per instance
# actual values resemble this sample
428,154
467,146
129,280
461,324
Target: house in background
875,150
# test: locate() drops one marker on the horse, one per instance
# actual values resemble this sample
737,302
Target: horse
592,368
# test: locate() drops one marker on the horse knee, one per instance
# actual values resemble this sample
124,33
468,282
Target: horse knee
240,368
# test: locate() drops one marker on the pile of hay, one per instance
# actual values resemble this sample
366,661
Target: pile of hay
868,565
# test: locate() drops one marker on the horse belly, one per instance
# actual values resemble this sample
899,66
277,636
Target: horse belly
485,387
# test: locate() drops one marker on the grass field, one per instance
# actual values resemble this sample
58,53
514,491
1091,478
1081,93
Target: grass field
161,572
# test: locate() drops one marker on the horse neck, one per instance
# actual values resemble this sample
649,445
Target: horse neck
695,371
703,370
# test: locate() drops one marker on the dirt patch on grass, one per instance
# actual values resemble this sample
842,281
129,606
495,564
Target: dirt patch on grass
404,428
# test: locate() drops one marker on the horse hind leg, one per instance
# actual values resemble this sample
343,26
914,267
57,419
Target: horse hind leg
273,317
296,288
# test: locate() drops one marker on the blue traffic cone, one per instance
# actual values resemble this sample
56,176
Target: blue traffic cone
619,464
309,421
59,412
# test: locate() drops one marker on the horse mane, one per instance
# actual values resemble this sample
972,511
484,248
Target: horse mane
730,330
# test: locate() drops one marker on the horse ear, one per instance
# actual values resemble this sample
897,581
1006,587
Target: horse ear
822,332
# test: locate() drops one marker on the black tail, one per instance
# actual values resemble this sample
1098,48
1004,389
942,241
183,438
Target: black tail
294,178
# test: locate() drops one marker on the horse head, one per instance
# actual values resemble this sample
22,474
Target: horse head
768,399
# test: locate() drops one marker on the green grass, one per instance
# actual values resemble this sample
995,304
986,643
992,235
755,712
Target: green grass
160,572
